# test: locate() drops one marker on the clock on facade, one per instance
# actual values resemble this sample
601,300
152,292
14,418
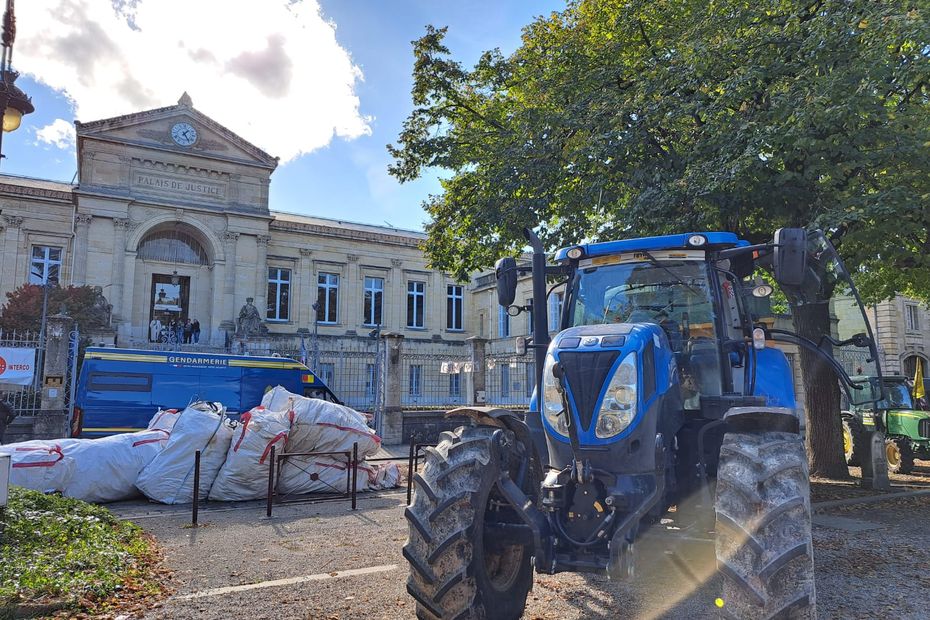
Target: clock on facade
184,134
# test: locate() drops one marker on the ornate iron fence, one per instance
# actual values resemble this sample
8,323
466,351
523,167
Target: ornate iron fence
25,400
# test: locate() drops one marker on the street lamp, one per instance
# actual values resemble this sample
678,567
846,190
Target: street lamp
14,103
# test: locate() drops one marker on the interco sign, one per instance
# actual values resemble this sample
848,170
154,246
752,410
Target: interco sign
17,365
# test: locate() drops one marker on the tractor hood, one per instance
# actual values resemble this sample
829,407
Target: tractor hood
611,375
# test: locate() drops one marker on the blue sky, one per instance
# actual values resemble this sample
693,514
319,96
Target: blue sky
347,178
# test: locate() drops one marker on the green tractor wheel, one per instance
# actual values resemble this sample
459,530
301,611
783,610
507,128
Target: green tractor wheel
900,454
853,437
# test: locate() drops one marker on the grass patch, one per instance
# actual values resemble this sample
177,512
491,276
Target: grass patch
60,551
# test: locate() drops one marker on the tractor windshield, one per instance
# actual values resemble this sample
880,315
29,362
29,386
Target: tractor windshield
897,396
659,288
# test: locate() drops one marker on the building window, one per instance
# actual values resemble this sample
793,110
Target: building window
455,385
481,323
371,381
416,373
416,298
327,297
455,300
172,246
327,373
503,322
911,317
505,380
279,292
555,311
374,299
46,265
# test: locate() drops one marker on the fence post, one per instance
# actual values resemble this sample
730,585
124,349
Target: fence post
196,500
477,383
392,423
52,420
272,461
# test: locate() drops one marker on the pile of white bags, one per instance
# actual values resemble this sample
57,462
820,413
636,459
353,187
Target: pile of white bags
234,458
169,478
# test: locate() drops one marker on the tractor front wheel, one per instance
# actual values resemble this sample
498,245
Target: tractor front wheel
763,542
900,454
456,571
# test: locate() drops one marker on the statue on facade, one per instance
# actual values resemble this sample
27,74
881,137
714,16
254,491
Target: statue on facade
102,311
250,321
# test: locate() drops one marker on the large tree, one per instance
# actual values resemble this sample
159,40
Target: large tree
618,118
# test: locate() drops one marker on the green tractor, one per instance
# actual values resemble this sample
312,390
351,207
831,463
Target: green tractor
906,429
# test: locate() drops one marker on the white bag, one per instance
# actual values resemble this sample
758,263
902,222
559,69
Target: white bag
164,419
40,466
383,476
105,470
322,426
169,478
244,475
317,474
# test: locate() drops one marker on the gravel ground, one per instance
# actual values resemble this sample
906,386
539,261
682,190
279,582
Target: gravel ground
870,563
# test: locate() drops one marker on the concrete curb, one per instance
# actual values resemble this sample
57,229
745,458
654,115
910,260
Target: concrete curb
868,499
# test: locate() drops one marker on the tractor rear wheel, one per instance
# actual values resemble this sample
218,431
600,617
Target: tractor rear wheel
456,572
900,454
763,542
853,436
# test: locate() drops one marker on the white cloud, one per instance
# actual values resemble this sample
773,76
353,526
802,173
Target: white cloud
60,134
270,70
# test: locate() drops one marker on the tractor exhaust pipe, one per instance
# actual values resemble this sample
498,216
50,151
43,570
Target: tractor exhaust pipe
540,305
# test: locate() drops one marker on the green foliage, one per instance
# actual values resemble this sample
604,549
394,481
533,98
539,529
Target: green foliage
23,308
58,548
620,118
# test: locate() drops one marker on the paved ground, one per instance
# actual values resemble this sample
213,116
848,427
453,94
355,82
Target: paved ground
324,561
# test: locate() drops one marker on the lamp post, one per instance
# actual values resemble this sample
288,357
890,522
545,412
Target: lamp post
14,103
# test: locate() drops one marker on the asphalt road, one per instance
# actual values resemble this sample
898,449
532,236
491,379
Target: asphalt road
325,561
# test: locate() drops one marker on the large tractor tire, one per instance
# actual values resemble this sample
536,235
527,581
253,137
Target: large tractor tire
853,440
455,571
764,548
900,454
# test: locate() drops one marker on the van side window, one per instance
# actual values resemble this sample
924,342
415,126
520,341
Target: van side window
120,381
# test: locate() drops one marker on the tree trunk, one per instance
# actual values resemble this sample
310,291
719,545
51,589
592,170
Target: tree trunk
822,396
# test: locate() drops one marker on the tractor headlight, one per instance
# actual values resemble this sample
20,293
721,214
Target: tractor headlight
619,406
552,399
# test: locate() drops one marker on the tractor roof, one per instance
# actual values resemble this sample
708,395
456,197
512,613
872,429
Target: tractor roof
664,242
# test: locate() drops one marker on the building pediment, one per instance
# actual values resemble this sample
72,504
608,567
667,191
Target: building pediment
174,156
180,129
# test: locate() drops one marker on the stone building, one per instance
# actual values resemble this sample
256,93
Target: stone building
902,328
170,216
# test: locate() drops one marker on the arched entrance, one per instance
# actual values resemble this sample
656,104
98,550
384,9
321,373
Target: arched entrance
174,281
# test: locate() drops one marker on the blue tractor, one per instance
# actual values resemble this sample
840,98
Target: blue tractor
662,390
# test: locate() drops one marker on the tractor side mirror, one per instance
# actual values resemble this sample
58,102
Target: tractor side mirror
520,345
506,271
790,256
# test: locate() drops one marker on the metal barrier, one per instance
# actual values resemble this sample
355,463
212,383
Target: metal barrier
277,462
413,464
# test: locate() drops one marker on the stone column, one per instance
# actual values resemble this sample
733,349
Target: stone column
81,235
120,230
261,275
230,248
306,295
52,421
392,423
477,383
11,252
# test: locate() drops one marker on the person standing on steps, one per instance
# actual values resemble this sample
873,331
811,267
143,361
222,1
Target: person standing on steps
195,330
